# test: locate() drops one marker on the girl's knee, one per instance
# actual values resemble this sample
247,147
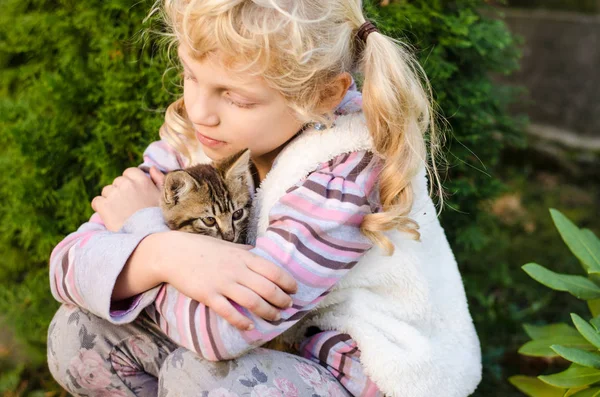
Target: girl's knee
184,372
75,358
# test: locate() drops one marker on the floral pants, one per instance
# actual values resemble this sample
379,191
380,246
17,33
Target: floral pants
89,356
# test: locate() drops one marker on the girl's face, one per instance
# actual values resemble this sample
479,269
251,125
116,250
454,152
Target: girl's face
234,111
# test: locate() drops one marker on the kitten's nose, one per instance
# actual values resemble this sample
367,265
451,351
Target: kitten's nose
228,236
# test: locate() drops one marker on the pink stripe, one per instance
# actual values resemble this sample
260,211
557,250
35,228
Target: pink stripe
66,241
179,331
96,218
86,236
277,222
71,283
352,161
327,214
216,333
320,248
335,183
202,333
158,304
297,270
372,178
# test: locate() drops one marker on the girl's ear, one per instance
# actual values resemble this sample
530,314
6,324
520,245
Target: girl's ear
334,92
177,184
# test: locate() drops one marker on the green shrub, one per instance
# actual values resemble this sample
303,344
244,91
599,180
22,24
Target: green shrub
82,96
579,345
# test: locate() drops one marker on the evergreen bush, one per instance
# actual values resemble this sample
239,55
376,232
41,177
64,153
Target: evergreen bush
83,93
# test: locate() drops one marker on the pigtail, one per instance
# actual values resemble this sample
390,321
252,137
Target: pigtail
399,113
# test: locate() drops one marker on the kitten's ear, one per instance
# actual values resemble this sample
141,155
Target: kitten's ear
236,165
177,185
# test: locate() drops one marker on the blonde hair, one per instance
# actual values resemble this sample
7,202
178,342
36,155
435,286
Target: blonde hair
299,47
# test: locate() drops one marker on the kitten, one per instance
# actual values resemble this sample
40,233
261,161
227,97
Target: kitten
213,200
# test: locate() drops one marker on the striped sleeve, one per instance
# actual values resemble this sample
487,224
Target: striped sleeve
340,355
314,233
84,266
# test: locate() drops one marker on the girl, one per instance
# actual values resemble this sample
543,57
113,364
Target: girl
341,219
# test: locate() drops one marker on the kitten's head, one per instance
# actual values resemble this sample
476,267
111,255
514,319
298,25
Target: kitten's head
213,200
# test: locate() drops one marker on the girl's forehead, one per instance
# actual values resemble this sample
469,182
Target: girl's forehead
220,67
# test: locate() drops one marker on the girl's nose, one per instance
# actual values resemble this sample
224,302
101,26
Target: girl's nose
202,111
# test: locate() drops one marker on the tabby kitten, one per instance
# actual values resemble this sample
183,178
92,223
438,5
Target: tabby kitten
213,200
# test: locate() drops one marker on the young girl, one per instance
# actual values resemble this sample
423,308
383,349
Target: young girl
341,219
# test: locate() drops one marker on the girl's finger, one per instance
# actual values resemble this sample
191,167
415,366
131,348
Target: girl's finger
220,305
118,181
266,289
95,202
157,177
106,190
135,174
249,299
273,272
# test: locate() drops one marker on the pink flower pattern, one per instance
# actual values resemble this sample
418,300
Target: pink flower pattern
265,391
88,369
286,386
311,376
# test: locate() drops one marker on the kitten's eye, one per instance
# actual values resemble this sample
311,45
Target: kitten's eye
210,221
237,215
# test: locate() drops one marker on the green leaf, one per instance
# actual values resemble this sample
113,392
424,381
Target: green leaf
541,347
594,306
583,243
574,376
596,323
586,330
534,387
574,390
578,356
550,330
577,286
589,392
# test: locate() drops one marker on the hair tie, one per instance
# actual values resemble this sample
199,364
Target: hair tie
366,29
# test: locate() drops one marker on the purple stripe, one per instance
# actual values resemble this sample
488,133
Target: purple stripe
341,373
210,335
330,343
330,193
319,238
65,269
310,254
362,164
192,311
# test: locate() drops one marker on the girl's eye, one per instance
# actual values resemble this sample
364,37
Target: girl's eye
237,215
238,104
210,221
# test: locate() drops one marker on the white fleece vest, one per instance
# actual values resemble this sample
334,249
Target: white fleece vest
407,312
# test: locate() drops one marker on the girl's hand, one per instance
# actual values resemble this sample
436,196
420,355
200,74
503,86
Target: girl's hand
128,193
211,271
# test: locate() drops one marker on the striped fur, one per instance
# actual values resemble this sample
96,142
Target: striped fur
213,200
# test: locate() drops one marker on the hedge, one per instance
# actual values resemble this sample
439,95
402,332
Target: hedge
83,93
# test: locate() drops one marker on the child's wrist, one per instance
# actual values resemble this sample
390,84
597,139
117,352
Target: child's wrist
159,247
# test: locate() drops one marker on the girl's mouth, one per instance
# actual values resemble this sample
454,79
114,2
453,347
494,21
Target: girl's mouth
209,142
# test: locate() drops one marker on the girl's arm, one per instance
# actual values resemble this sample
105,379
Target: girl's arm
314,234
85,265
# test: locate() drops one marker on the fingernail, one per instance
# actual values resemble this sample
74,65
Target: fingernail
277,317
250,327
291,304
